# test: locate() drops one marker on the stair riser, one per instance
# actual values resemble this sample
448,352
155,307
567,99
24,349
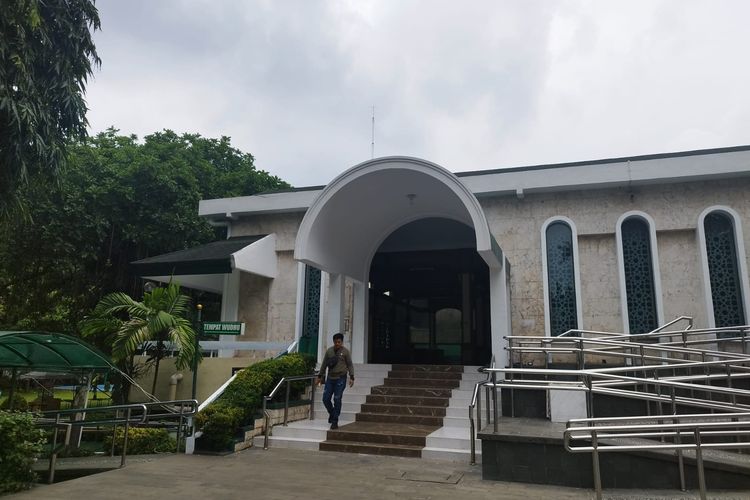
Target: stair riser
370,450
401,419
367,437
421,383
406,400
425,375
411,391
403,410
429,368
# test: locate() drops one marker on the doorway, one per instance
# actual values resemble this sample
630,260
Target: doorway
429,307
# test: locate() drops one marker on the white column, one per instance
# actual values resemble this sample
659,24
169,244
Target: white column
335,312
360,345
230,305
300,306
499,314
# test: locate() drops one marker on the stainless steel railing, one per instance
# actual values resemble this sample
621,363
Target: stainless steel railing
476,398
159,413
123,414
658,369
285,381
679,433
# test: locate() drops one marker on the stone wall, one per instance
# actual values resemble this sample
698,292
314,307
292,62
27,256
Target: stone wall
516,224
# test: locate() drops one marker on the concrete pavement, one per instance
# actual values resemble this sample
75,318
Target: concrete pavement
288,474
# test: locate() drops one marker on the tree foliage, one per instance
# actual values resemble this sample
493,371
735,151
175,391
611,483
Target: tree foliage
46,55
118,200
162,317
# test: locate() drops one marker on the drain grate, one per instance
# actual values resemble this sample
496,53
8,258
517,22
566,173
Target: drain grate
430,477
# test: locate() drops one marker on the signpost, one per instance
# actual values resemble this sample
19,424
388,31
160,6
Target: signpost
223,328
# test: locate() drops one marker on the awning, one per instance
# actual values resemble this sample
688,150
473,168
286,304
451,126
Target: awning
50,352
204,267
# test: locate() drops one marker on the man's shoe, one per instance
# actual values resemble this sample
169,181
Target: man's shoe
334,426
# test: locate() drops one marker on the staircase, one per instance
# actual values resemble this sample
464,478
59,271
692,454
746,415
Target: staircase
400,410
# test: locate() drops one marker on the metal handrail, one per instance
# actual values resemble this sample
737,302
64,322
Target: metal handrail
266,399
46,420
607,434
689,319
475,398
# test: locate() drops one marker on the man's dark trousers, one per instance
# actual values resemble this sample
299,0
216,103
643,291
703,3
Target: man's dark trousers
334,388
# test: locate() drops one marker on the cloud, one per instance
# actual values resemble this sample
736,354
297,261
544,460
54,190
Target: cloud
468,85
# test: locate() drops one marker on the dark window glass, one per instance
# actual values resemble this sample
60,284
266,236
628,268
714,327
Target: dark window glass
723,270
311,312
639,275
561,278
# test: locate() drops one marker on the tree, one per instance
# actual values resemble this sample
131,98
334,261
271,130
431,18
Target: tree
46,56
161,318
119,200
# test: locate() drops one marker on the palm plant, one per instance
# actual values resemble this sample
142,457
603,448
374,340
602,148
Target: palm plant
161,318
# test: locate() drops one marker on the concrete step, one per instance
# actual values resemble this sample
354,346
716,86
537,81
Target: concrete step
411,391
400,419
395,450
450,438
346,406
406,400
425,375
296,443
404,409
421,383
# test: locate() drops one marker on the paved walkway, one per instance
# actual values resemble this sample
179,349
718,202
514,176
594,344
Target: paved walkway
286,474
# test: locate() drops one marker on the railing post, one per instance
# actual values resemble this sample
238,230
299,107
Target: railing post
286,401
487,404
494,402
114,434
312,398
53,455
587,380
479,408
179,428
267,424
678,440
125,438
699,464
595,465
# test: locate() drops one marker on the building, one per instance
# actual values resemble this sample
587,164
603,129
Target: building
419,265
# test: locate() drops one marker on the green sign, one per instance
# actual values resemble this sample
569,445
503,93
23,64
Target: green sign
223,328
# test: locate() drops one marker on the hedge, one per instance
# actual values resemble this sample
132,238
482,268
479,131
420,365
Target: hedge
242,400
20,444
142,441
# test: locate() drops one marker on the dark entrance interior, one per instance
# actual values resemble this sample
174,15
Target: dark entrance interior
429,305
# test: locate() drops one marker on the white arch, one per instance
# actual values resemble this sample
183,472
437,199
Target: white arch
576,271
739,242
356,211
654,267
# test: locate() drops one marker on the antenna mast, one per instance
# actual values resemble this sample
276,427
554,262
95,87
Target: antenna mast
372,144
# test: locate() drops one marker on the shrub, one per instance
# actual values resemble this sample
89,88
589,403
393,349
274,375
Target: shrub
243,398
21,444
219,423
142,441
19,403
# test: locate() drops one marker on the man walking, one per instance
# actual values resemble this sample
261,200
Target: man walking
338,362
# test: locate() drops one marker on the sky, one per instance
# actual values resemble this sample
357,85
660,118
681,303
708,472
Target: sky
469,85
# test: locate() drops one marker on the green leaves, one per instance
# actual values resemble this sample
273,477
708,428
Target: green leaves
46,56
117,201
159,317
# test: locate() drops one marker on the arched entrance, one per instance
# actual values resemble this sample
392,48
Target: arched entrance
429,297
350,226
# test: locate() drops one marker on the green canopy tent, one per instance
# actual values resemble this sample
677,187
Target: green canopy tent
51,352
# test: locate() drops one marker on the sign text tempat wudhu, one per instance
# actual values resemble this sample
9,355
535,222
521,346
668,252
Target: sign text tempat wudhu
223,327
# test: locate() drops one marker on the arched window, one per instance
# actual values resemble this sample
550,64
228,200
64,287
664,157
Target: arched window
639,273
561,283
723,257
